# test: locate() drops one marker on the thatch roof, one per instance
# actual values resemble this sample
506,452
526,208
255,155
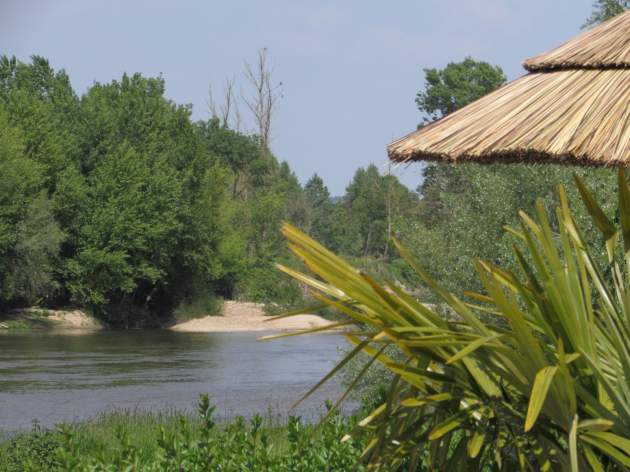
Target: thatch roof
575,108
604,47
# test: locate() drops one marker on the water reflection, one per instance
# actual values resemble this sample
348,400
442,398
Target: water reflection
58,377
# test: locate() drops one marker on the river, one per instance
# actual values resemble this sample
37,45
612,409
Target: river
51,377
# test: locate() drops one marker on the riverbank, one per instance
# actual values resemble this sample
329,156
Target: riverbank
235,317
44,318
172,440
246,316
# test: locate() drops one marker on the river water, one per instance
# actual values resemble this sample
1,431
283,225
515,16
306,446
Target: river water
67,377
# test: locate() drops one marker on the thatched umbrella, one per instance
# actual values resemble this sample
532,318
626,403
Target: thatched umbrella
573,107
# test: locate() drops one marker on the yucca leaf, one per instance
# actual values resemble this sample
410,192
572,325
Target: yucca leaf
595,424
573,452
608,449
351,386
332,372
447,425
299,311
542,382
475,443
316,329
473,346
603,223
624,211
619,442
592,459
416,402
454,302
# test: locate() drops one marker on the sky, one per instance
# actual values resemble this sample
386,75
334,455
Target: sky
349,69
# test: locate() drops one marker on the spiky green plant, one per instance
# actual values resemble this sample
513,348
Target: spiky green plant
534,375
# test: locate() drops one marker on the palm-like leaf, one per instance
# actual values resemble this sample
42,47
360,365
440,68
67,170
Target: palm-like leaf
545,388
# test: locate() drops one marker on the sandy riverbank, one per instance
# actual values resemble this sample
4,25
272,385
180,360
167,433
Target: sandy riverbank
244,316
43,318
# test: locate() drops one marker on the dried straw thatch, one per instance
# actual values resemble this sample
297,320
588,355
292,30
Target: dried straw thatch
607,46
574,109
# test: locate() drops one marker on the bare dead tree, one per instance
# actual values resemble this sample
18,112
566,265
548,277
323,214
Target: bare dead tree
238,119
212,106
228,102
261,102
265,96
227,112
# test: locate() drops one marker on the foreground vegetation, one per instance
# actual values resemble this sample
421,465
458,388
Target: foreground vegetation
171,441
533,376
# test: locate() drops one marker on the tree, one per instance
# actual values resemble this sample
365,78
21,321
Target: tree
370,200
318,202
29,235
43,105
447,90
455,86
130,230
117,201
264,99
227,112
604,10
31,277
319,210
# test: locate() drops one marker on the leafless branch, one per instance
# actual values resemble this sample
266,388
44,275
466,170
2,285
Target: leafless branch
265,96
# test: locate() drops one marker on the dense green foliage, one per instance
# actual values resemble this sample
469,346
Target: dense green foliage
144,211
29,235
124,203
455,86
170,441
117,201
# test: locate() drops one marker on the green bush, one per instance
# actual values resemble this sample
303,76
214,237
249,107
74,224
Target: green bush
32,451
201,305
267,285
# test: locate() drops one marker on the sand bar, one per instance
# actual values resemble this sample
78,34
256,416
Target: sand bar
246,316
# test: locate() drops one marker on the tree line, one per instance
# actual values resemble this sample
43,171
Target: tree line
118,201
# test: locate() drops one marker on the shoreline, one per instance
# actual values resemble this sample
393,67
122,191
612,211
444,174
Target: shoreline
248,317
236,317
45,319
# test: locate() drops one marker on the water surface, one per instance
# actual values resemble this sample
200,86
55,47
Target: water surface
67,377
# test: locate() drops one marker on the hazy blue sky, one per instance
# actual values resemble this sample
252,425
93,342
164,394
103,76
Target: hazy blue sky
350,68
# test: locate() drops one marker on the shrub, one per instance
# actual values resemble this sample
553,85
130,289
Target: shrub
201,305
32,451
